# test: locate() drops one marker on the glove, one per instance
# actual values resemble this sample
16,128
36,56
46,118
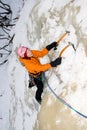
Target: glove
53,44
56,62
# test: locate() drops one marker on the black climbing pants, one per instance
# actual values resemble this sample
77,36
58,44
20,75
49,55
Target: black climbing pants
39,85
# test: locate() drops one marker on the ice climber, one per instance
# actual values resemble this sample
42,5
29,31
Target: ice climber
30,59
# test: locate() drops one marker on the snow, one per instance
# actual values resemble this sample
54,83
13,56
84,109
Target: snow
4,98
40,23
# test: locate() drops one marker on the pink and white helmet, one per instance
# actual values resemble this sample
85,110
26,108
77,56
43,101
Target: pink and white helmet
21,51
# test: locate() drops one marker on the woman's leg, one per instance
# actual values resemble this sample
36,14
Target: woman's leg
31,82
39,85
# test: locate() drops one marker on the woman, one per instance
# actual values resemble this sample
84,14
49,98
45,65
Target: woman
30,59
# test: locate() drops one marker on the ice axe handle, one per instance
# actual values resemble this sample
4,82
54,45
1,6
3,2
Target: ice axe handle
61,38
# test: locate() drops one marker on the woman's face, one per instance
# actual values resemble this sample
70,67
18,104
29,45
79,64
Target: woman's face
29,53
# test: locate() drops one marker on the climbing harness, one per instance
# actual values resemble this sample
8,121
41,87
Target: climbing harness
63,101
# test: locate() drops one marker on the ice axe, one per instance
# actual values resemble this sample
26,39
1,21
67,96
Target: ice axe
61,38
70,44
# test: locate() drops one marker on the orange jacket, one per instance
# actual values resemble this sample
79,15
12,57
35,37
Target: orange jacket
33,64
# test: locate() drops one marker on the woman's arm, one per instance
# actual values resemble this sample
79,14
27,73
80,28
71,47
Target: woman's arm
37,53
45,50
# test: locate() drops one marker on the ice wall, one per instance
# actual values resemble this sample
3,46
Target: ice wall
42,22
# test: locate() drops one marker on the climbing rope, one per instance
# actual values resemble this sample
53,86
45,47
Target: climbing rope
61,100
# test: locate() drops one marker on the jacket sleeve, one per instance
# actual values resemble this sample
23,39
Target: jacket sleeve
43,67
40,53
35,68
